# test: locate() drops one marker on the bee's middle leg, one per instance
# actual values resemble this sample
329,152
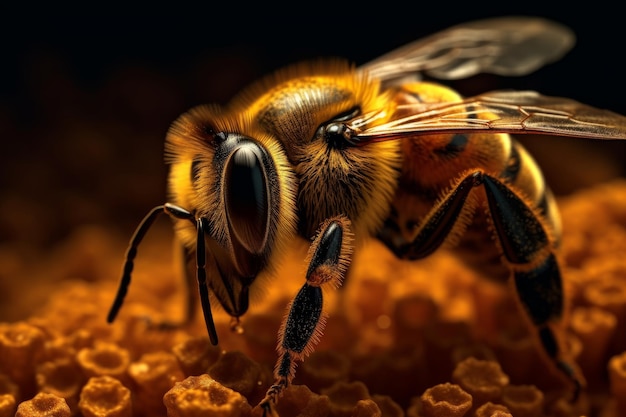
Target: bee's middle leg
328,259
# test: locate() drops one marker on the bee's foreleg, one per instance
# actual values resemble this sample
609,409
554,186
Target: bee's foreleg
328,259
528,250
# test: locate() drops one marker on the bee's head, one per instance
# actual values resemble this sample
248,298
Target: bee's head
240,183
306,108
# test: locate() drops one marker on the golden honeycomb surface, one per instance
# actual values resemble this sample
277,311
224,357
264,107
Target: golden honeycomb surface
427,338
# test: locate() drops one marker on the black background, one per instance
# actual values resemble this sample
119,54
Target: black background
87,96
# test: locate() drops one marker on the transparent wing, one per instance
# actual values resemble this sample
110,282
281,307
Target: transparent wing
505,46
494,112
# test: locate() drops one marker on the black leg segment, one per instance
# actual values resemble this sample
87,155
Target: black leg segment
520,232
303,319
441,220
540,291
329,257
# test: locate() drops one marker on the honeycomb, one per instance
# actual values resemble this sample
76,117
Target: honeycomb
417,339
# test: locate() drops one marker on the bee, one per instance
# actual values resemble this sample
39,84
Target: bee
333,153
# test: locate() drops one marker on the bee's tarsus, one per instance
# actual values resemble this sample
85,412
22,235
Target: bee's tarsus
574,378
267,404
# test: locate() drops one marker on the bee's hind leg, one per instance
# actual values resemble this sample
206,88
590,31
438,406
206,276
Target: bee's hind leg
527,249
529,252
328,259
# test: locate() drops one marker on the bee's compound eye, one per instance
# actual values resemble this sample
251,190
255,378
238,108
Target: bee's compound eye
246,197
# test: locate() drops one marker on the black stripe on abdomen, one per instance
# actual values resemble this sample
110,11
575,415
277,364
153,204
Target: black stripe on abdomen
513,165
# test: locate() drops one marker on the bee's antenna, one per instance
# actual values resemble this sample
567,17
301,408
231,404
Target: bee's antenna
129,264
